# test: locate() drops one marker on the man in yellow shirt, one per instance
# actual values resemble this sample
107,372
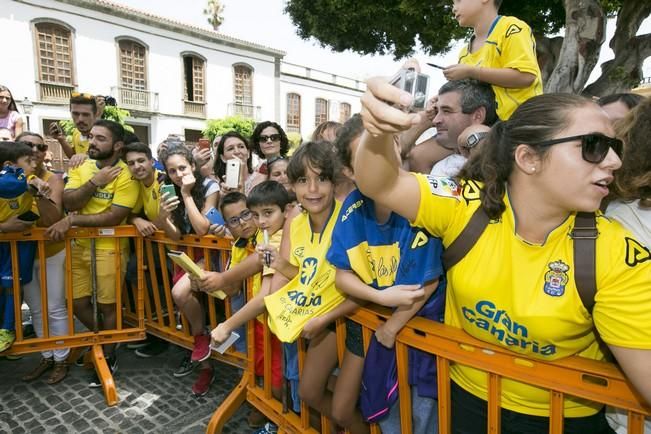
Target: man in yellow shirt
102,193
85,109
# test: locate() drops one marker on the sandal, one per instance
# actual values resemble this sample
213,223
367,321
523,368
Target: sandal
58,373
42,367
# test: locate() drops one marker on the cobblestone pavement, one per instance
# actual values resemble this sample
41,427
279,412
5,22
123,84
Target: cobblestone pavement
152,400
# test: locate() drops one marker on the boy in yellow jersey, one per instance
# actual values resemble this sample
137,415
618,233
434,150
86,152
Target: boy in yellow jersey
140,162
103,193
15,167
501,52
85,109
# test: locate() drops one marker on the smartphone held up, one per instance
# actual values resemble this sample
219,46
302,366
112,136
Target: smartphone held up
414,83
233,168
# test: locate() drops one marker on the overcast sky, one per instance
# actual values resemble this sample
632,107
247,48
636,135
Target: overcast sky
264,22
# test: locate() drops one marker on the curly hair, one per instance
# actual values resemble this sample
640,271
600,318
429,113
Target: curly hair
255,138
220,166
197,192
536,120
633,179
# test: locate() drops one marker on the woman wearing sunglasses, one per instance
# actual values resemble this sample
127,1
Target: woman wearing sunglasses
50,209
268,141
516,286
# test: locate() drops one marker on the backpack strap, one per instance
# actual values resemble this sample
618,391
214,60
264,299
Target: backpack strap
584,234
466,239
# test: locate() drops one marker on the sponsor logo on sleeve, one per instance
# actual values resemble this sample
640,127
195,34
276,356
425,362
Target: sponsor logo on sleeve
444,187
512,30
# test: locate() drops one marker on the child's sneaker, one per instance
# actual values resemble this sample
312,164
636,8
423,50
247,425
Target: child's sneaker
201,348
7,338
185,367
205,379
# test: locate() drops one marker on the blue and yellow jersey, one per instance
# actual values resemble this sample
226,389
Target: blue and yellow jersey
122,192
312,291
15,206
510,44
80,142
382,255
522,296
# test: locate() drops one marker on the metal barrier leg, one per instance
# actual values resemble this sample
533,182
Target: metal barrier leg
104,374
93,282
230,405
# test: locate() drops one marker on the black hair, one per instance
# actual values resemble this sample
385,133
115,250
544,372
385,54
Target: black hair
220,166
352,129
12,151
630,100
130,137
85,99
497,4
117,130
198,190
319,156
137,147
230,199
255,138
474,94
268,193
537,119
28,134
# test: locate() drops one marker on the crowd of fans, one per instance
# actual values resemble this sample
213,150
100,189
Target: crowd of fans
375,210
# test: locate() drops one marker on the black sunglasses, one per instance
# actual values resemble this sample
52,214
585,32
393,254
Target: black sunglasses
594,146
273,138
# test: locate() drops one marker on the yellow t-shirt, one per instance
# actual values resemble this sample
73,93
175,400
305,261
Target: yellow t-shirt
312,291
240,250
79,143
510,44
15,206
149,197
122,192
523,297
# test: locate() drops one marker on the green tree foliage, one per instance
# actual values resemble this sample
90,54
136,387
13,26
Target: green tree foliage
217,127
396,26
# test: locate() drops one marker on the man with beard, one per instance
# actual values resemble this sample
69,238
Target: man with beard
84,109
102,193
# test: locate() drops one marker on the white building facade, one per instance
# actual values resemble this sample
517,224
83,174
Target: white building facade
170,76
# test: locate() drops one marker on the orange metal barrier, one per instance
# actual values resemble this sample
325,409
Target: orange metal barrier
574,376
159,317
76,339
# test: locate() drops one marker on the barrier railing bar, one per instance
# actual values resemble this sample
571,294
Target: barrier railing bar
18,313
305,409
153,278
68,285
444,394
494,396
45,308
118,281
267,358
635,423
556,412
404,389
171,317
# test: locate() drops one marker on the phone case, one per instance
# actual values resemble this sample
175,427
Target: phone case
169,189
215,217
226,344
204,144
232,173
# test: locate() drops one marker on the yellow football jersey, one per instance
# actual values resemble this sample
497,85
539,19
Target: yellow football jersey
79,143
510,44
523,297
312,291
149,197
15,206
122,191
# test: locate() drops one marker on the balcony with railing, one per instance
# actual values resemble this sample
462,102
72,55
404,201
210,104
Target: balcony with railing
301,71
245,110
134,99
193,108
54,92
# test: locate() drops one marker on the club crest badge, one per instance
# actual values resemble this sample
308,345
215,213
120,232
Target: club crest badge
556,278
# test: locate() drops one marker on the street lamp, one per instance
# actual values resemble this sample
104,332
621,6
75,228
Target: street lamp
27,108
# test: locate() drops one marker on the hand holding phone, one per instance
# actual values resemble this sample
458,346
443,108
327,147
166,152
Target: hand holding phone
169,189
215,217
221,348
204,143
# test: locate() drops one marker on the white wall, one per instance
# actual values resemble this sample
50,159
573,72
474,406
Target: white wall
310,90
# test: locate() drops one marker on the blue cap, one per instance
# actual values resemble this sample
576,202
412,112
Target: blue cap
13,182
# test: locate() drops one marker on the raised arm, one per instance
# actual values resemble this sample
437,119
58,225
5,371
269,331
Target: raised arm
377,167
